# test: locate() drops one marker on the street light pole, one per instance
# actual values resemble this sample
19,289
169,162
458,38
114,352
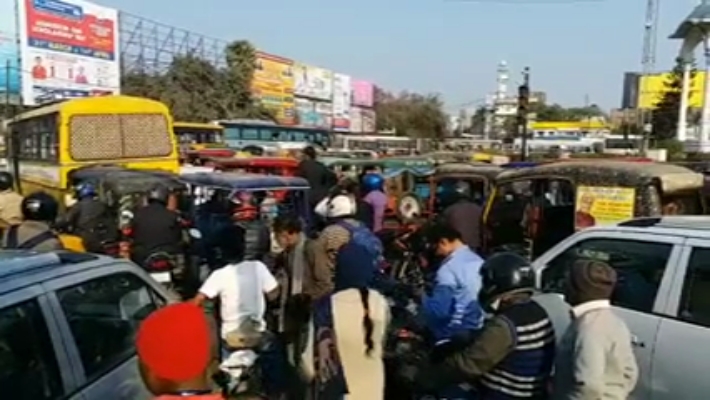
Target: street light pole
523,103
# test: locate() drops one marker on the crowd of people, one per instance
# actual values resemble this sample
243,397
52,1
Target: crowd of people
490,334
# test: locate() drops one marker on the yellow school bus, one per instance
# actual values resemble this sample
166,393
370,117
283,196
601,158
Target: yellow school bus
48,142
198,136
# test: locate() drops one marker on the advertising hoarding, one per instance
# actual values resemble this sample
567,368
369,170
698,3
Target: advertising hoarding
313,82
355,120
68,49
314,114
273,86
362,120
652,88
342,93
9,52
363,93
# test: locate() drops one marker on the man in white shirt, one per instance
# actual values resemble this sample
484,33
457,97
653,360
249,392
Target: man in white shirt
242,286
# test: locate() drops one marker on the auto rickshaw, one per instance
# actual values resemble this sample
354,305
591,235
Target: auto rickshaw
194,155
536,208
443,157
283,166
248,199
122,190
475,178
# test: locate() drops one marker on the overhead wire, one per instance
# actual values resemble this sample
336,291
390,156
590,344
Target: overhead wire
526,2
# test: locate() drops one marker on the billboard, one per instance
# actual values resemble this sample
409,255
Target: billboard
652,87
273,86
9,53
313,82
342,93
362,120
68,49
314,114
363,93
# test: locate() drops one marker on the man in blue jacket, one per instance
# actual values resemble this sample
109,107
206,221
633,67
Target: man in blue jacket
452,311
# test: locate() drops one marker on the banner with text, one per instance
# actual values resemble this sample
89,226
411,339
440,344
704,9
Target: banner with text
273,86
314,114
313,82
363,93
342,93
9,53
362,120
68,49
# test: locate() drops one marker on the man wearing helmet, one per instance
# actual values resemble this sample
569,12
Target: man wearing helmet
512,356
155,228
89,218
10,202
39,211
373,188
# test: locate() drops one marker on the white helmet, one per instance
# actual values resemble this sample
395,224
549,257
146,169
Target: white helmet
336,207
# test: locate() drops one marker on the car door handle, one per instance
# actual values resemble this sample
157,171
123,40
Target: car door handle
636,342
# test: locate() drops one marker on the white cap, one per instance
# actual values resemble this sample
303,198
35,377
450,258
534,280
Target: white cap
338,206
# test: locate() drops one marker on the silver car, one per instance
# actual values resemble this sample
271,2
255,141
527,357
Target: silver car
663,294
68,323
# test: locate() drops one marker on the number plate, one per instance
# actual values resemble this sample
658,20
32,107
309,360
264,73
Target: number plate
161,277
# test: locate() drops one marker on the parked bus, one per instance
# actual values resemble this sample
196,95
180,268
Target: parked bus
198,136
243,133
394,144
50,141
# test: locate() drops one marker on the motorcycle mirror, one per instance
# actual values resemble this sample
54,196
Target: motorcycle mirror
194,233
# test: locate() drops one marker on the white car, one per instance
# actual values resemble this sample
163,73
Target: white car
663,294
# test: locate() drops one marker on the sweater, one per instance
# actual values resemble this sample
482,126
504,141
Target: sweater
595,360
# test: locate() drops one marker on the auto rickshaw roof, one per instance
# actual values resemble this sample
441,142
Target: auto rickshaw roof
124,180
246,182
610,172
255,161
462,169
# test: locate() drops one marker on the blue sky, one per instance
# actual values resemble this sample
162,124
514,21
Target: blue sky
436,46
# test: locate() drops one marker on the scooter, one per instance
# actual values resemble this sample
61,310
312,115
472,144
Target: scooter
239,373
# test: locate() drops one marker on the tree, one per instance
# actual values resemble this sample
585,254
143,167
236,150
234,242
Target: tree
555,112
664,118
411,114
196,90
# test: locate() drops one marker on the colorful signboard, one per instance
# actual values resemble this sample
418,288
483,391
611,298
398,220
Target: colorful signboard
342,93
362,120
363,93
313,82
9,52
603,205
273,86
314,114
652,88
68,49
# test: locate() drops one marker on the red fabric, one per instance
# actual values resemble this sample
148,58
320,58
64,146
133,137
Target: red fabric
174,342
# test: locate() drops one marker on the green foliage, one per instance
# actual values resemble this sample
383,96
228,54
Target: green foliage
198,91
664,118
675,149
555,112
411,114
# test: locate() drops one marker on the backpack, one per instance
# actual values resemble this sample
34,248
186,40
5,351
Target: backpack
362,236
29,244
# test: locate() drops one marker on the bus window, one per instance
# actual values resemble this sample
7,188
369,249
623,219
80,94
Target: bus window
249,134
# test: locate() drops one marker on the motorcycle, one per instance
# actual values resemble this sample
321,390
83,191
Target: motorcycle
239,372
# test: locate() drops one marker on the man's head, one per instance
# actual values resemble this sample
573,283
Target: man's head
505,277
287,229
174,348
589,280
339,206
445,239
309,153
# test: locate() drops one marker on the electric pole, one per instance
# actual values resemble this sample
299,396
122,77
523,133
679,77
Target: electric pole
523,110
648,60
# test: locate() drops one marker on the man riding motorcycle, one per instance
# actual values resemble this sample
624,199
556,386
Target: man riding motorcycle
34,233
89,218
154,228
10,201
512,356
373,189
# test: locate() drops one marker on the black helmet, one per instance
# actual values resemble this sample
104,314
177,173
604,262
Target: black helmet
6,180
159,194
503,273
40,206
